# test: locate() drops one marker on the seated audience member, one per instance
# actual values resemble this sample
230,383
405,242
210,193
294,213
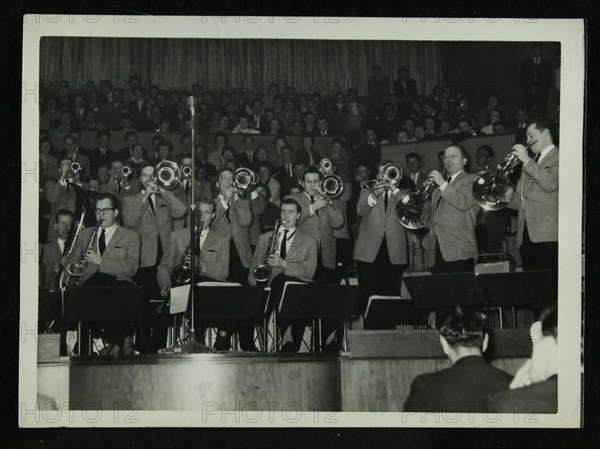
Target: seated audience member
307,154
216,157
125,153
222,126
534,388
286,170
483,158
494,117
271,212
275,127
466,385
402,137
164,152
244,127
296,128
279,143
71,152
103,154
248,157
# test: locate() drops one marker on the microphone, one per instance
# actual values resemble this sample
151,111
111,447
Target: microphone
191,104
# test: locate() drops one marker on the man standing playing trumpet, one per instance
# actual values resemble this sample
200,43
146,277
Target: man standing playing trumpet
381,252
454,213
536,199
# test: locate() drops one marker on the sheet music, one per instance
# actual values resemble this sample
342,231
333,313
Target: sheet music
179,299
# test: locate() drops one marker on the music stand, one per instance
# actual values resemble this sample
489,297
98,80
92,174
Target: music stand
49,307
102,304
439,292
387,312
517,289
317,302
230,303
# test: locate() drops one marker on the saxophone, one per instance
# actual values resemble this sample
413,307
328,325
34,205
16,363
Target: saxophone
262,272
62,278
182,273
74,271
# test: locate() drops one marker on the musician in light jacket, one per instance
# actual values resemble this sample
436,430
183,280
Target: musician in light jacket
294,259
213,262
52,252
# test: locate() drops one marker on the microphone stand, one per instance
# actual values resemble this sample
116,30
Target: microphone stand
191,346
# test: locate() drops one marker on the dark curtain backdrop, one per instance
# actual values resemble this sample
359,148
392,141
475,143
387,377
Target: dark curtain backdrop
223,64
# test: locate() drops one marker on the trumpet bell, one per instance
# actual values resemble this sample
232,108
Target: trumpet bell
413,211
492,191
75,166
326,165
332,186
391,173
167,175
127,172
244,178
262,273
186,171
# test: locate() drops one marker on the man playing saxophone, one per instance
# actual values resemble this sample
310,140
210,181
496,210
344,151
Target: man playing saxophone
106,255
211,250
109,253
291,255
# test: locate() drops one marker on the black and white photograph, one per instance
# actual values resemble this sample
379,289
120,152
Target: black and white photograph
301,222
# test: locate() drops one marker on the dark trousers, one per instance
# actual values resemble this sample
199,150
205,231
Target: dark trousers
298,324
112,332
540,255
237,272
323,274
156,325
457,266
379,277
490,233
343,256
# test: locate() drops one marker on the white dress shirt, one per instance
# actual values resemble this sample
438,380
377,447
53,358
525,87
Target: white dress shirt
452,178
108,233
290,238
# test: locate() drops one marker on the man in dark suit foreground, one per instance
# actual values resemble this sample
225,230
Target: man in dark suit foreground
465,386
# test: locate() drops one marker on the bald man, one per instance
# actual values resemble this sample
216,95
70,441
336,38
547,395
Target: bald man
454,214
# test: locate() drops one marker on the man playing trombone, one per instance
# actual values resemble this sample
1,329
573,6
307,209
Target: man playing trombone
319,220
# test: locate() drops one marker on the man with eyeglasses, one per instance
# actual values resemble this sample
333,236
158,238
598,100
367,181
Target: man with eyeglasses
112,259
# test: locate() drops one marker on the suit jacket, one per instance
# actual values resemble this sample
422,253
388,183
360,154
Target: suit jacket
212,263
321,227
281,174
302,156
257,206
154,228
541,397
236,228
453,218
375,225
51,256
301,259
203,190
421,177
544,74
121,257
536,199
408,90
462,388
242,160
97,159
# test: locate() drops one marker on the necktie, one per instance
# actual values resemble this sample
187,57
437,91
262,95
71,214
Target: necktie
312,199
449,179
537,157
102,242
151,202
283,248
119,187
227,212
187,188
386,199
198,249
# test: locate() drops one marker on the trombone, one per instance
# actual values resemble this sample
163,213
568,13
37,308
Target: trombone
244,179
390,173
167,175
331,187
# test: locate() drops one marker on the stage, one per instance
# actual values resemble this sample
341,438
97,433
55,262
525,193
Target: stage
375,375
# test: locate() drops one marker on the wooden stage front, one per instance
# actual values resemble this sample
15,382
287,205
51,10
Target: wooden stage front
374,376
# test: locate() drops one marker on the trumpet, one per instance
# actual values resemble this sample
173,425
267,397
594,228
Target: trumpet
244,179
390,173
326,166
186,171
166,175
331,187
262,272
75,167
494,190
126,172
